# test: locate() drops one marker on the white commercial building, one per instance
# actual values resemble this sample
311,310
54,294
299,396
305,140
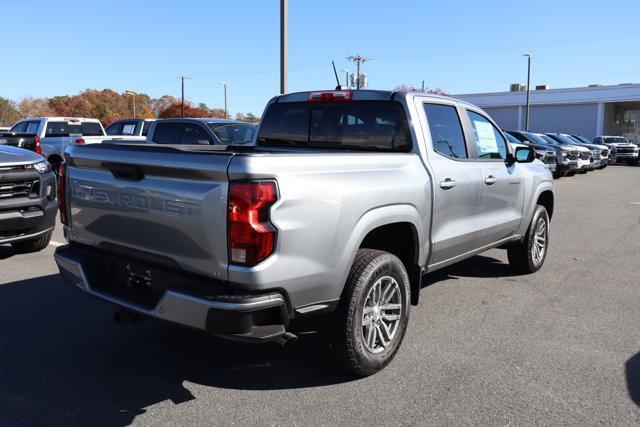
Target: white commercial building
587,111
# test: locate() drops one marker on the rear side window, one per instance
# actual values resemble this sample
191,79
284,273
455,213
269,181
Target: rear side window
446,131
73,128
167,133
359,125
19,127
489,142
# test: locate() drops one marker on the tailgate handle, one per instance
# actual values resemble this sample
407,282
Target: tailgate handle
124,171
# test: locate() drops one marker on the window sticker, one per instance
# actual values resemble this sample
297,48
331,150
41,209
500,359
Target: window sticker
486,138
128,129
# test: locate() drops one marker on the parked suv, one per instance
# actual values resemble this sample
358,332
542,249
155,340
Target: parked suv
622,149
347,199
27,199
566,159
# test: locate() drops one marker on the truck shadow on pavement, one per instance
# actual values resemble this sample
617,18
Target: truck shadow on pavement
480,266
632,371
62,358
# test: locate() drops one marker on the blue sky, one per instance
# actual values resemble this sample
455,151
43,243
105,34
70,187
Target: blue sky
63,47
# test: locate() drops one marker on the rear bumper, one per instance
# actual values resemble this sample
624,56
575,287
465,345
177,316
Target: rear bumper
238,316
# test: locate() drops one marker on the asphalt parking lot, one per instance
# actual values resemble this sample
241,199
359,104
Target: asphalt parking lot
484,346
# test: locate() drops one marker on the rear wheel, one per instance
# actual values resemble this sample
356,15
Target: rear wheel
373,314
33,245
528,255
55,163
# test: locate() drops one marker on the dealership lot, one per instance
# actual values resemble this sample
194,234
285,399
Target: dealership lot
484,346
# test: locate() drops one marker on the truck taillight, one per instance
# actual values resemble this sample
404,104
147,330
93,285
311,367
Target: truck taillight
80,141
62,194
38,150
251,237
331,96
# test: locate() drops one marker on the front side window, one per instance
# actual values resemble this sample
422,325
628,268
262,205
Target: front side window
446,131
194,134
490,143
233,133
145,128
32,127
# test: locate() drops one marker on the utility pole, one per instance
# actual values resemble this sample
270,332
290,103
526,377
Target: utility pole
358,59
226,114
423,86
182,79
528,55
133,95
284,18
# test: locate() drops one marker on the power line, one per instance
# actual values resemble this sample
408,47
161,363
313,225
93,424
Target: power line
358,59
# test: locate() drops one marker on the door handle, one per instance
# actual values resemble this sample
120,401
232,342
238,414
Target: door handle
447,184
490,180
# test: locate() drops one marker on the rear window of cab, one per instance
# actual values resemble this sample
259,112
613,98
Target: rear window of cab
359,126
74,128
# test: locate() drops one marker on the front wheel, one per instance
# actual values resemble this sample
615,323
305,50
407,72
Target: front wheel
633,162
373,314
33,245
528,255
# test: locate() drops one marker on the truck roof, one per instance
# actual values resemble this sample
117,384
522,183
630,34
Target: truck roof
201,119
366,95
64,119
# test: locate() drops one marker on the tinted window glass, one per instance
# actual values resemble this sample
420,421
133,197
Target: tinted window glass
114,129
360,125
145,128
536,139
32,127
233,133
489,142
191,133
446,131
73,128
616,140
19,127
167,133
512,139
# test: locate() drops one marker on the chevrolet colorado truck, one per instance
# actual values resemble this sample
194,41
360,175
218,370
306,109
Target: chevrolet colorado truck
55,134
27,199
622,149
344,202
566,159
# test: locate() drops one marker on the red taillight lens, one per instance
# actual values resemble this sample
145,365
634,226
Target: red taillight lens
62,193
38,150
79,141
331,96
251,237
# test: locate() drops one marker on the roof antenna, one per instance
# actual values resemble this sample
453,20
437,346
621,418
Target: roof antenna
338,87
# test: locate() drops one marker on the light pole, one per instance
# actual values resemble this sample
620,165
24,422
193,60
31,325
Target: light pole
346,77
528,55
133,95
182,79
226,114
284,17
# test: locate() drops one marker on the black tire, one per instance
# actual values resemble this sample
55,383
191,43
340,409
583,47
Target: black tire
521,255
353,353
570,173
633,162
55,163
33,245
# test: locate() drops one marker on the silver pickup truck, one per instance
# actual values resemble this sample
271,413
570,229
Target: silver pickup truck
346,200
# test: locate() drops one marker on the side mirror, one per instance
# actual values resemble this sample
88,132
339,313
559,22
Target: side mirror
201,141
525,154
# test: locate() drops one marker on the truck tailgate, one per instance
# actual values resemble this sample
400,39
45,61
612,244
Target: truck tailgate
154,203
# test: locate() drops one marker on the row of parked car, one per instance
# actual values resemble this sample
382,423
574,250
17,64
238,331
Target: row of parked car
566,154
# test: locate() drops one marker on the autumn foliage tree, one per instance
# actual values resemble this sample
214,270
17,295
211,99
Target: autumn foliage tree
175,110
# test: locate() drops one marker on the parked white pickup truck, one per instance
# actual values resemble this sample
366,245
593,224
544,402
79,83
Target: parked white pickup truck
131,129
56,133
